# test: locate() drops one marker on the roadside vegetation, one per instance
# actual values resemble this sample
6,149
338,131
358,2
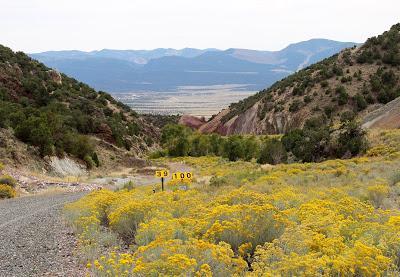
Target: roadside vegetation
336,218
7,185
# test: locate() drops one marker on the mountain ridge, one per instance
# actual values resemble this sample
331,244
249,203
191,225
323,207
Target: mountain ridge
178,67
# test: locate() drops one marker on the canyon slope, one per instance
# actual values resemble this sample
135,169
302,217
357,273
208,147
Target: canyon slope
355,82
46,113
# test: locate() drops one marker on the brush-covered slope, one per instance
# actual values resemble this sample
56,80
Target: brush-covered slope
58,115
357,80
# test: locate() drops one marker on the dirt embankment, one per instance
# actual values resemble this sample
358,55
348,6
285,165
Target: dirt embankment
386,117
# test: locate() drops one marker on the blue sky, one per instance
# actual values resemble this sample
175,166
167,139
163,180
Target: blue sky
41,25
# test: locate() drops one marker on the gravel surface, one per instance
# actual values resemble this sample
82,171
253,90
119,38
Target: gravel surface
34,241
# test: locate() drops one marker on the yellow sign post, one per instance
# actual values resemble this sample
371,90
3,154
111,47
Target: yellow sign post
162,174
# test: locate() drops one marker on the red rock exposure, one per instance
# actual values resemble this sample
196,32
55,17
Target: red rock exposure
192,121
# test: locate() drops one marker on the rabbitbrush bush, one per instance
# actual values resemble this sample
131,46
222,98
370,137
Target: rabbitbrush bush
6,191
334,218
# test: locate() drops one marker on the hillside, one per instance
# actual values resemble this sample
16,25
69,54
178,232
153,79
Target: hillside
58,115
167,69
356,81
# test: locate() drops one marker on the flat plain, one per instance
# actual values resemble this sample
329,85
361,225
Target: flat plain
193,100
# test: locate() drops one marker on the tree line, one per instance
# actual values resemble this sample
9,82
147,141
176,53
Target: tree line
316,141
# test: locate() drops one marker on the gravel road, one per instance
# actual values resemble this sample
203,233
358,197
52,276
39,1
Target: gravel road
33,238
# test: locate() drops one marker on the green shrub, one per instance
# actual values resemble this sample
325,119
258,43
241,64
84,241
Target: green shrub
317,141
218,181
8,180
158,154
307,99
199,146
343,97
376,84
347,116
95,158
311,144
328,110
272,152
172,131
295,106
180,147
6,191
387,95
128,186
377,194
251,148
77,145
216,144
366,56
360,102
324,84
351,140
392,57
89,162
233,148
395,178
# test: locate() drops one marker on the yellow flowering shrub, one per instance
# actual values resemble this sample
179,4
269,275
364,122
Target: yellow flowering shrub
377,193
7,192
334,218
191,257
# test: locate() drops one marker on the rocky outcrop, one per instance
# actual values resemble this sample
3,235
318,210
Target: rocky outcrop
249,122
65,167
386,117
191,121
55,76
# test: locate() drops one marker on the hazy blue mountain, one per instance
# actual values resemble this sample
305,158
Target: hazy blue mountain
136,56
165,68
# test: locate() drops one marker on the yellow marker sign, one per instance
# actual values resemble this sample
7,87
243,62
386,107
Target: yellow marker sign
187,176
162,173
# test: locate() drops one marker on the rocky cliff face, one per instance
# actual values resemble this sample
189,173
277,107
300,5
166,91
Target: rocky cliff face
356,81
386,117
249,122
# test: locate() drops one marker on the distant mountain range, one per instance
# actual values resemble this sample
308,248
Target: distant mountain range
166,69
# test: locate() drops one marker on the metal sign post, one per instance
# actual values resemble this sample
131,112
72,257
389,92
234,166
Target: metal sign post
162,174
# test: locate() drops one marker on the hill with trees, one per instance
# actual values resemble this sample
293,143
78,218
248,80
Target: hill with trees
58,115
352,83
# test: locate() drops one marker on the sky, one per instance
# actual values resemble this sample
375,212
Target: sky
43,25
